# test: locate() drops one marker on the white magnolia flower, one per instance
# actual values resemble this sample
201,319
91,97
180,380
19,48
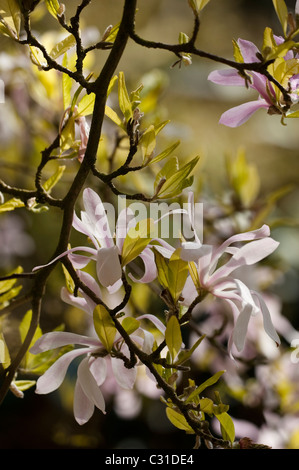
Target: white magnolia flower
217,279
92,370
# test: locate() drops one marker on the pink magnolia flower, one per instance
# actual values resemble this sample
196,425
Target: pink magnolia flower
216,278
92,370
267,97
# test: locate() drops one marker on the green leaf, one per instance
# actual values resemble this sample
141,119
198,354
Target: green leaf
70,284
136,240
177,275
53,180
211,381
66,85
148,143
295,114
198,5
282,13
165,152
177,180
67,135
8,284
130,324
173,336
162,268
86,105
62,47
29,360
244,178
10,17
4,353
227,426
178,420
104,326
11,205
206,405
53,7
113,33
123,98
111,114
185,354
24,384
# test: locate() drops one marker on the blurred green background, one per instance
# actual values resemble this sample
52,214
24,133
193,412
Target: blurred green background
194,107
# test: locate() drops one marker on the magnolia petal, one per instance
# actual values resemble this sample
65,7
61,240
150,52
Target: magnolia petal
150,269
83,406
56,339
226,77
158,324
98,368
125,221
92,251
248,50
189,292
241,327
236,116
54,376
123,376
268,325
262,232
192,251
96,214
75,301
261,84
89,385
108,266
248,254
84,228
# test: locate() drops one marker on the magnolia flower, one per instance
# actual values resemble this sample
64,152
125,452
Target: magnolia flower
92,370
267,96
107,247
217,280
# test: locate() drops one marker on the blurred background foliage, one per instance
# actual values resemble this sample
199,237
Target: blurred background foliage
28,121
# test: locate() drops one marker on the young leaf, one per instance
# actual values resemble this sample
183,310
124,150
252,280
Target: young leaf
123,97
63,46
10,17
130,324
4,353
173,336
165,152
29,358
53,180
211,381
136,240
104,326
162,268
53,7
178,420
85,106
8,284
148,143
177,275
66,85
282,13
198,5
179,180
111,114
227,426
